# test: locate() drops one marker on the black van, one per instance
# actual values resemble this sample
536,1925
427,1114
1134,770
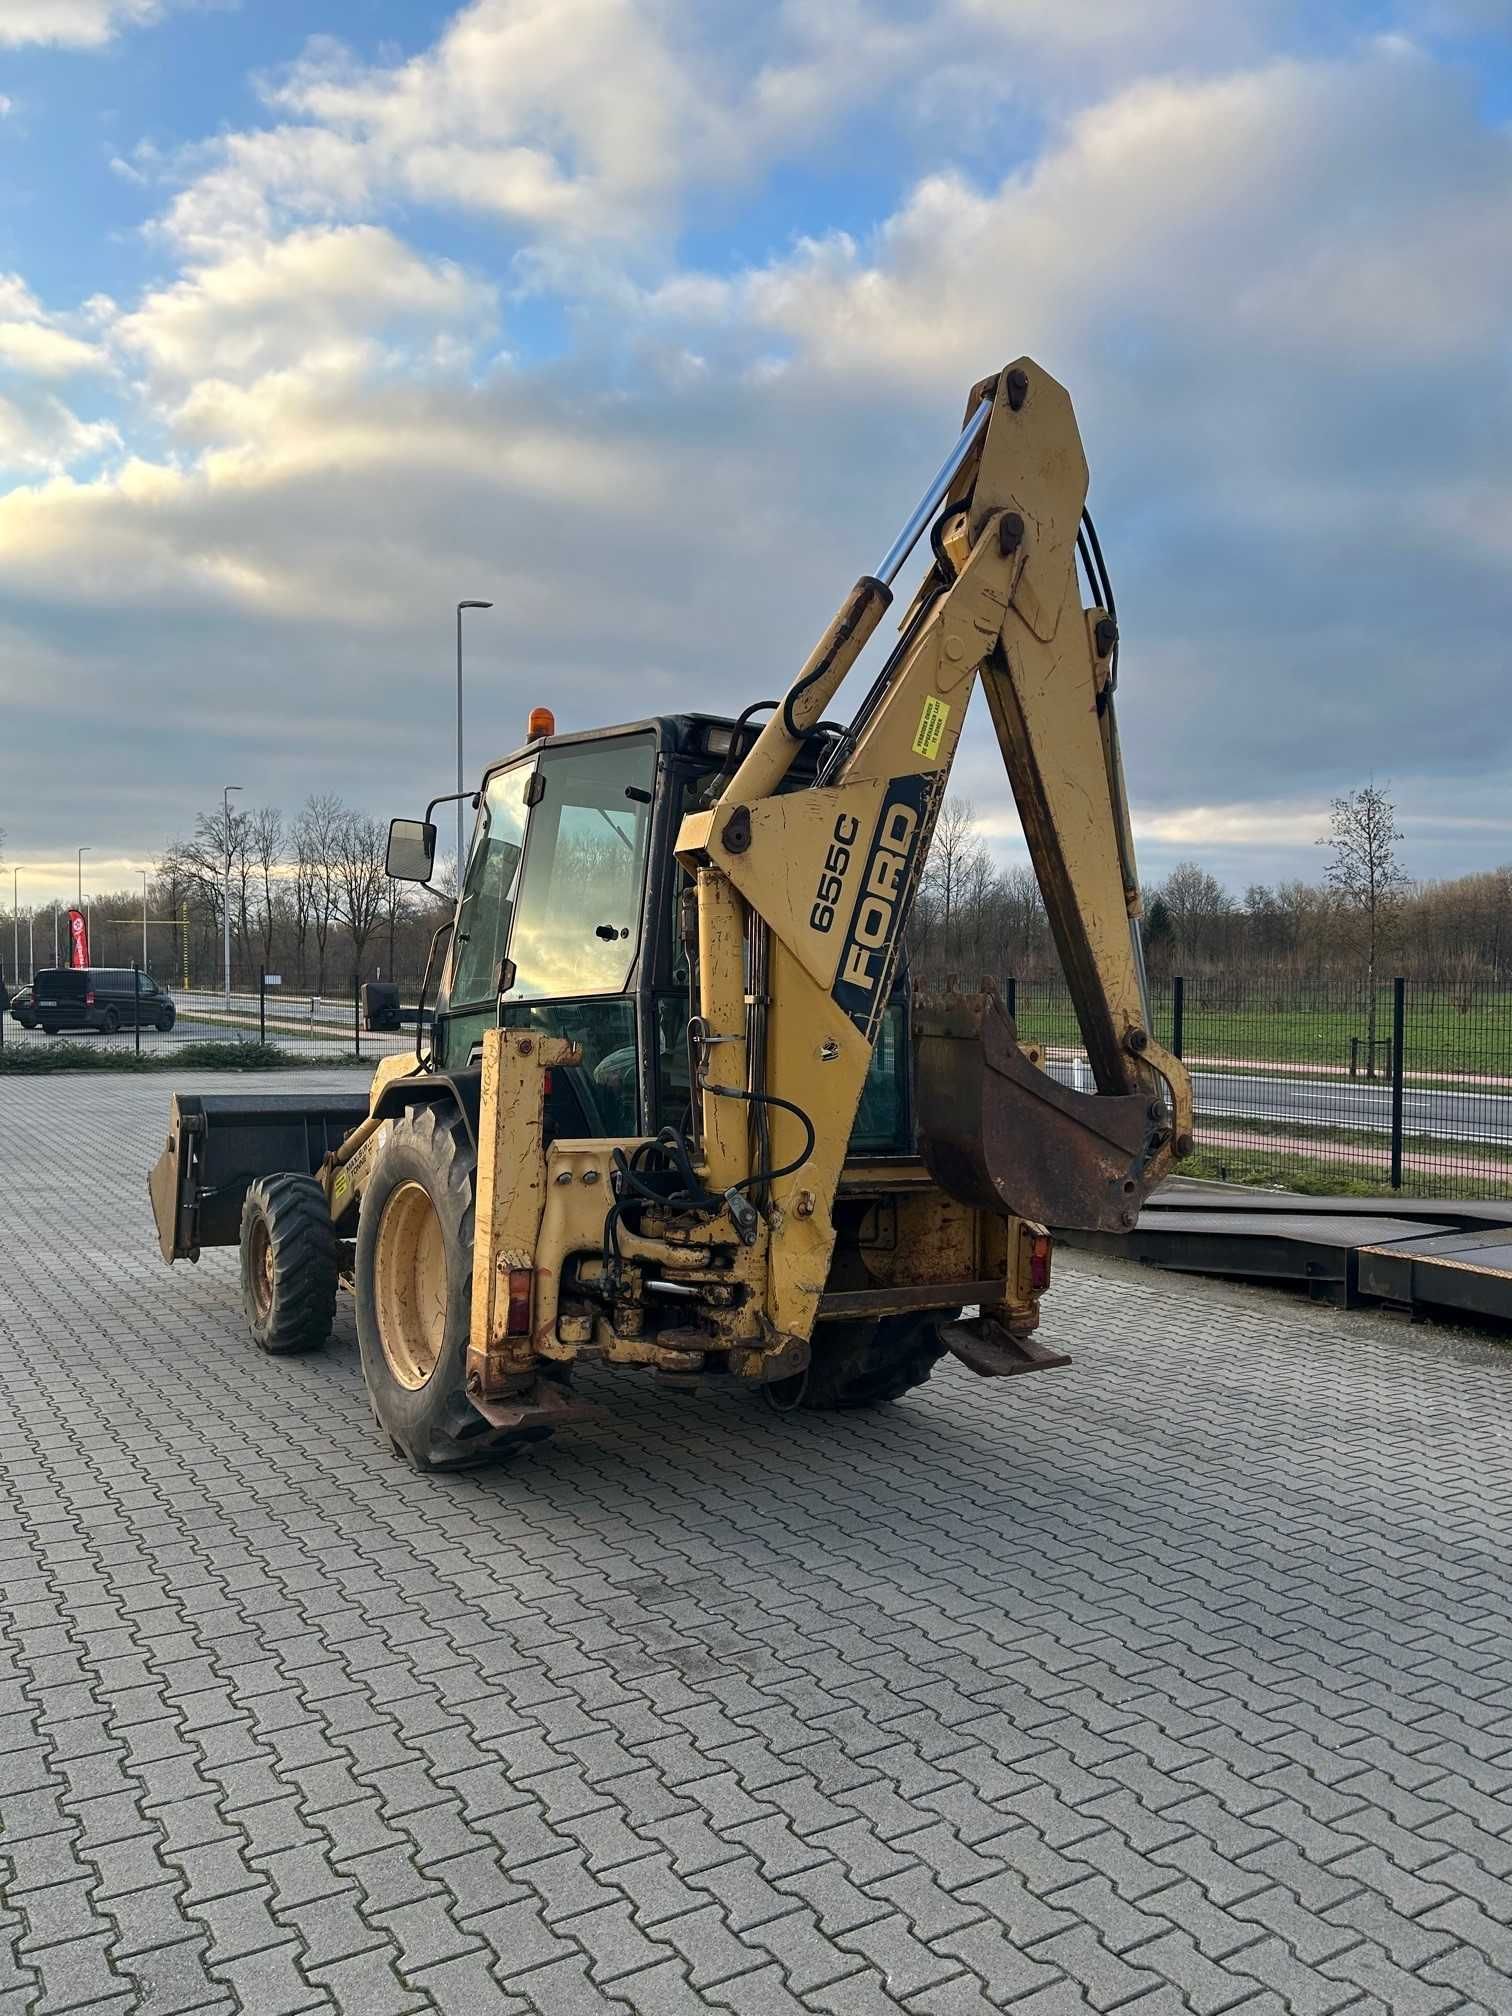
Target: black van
94,997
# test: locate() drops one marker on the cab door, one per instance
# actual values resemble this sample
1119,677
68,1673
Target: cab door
574,951
468,998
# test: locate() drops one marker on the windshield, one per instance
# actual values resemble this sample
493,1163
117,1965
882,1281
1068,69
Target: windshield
578,918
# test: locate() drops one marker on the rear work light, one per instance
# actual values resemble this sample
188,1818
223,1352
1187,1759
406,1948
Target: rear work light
517,1321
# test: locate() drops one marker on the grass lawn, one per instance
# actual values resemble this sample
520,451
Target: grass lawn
1294,1028
1345,1162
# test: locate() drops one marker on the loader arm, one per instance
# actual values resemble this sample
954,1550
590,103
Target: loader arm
803,897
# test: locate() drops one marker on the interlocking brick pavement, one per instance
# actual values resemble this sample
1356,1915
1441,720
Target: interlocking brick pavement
1177,1682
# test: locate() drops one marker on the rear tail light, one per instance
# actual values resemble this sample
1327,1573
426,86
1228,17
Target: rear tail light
1039,1264
517,1321
89,1000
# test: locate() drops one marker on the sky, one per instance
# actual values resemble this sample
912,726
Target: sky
648,320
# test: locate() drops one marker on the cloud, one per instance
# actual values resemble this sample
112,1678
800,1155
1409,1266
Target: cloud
73,24
43,352
573,114
38,433
315,296
1286,340
593,122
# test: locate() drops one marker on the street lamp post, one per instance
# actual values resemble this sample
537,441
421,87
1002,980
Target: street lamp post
143,873
460,787
226,906
16,925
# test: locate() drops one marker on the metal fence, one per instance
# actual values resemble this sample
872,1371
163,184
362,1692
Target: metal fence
130,1019
1297,1084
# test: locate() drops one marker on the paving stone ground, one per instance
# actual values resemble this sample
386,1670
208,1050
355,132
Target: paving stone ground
1178,1681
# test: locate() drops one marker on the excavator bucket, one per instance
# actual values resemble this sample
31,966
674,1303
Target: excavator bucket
998,1132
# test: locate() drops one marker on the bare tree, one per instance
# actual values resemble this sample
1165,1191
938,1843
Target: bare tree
266,836
1194,901
1364,872
361,884
302,897
952,854
319,847
1024,924
395,907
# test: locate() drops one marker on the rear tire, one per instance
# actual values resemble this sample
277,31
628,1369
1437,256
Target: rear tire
414,1294
290,1265
110,1022
50,1028
856,1365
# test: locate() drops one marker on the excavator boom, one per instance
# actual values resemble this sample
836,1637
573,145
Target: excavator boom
812,889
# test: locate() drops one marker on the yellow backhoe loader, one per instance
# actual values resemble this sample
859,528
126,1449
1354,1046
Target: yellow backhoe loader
678,1108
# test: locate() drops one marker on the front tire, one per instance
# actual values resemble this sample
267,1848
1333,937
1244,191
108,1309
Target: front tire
166,1020
414,1293
289,1263
855,1365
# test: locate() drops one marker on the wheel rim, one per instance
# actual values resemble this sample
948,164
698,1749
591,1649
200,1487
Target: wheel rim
260,1267
409,1268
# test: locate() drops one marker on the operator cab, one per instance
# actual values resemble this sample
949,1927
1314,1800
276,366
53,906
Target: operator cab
568,923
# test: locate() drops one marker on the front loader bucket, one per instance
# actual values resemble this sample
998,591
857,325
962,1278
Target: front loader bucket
997,1132
220,1142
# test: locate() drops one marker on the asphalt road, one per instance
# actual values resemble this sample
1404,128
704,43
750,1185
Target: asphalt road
1469,1115
1300,1102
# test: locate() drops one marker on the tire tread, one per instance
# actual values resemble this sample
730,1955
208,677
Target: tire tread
871,1364
306,1263
448,1433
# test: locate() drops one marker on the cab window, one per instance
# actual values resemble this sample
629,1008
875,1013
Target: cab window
482,934
577,921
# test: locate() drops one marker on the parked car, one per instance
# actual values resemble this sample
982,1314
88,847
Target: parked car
96,997
23,1006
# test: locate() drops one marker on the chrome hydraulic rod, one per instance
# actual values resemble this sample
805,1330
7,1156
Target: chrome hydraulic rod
934,496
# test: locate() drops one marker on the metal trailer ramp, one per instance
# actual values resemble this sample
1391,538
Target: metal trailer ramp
1424,1256
1450,1273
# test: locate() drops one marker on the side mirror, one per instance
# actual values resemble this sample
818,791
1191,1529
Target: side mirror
411,850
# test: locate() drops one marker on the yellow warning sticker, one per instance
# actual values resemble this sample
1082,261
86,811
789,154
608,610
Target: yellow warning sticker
931,728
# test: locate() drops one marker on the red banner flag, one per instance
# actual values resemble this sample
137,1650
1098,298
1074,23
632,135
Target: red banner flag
78,939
